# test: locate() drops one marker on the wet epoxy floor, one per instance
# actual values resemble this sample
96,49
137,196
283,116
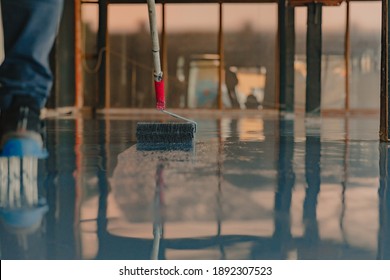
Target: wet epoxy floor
253,187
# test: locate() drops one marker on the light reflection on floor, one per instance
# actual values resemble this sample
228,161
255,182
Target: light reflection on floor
254,187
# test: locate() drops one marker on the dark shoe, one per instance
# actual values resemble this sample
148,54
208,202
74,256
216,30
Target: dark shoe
21,128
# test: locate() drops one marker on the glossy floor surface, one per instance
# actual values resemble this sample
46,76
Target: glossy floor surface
252,187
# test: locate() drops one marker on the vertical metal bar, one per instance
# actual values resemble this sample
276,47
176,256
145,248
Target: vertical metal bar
290,56
123,88
65,58
107,95
281,101
102,49
384,97
221,57
347,55
313,57
79,99
286,34
133,85
277,69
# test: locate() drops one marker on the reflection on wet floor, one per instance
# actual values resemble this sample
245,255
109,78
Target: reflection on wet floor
251,188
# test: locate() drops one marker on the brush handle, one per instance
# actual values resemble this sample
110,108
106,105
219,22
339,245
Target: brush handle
158,75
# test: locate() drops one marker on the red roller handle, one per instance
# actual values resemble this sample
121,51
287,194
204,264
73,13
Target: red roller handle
160,95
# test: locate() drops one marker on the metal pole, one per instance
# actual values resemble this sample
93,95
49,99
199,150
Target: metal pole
123,90
65,58
290,57
79,98
277,68
384,97
286,27
347,55
221,58
281,86
102,49
313,57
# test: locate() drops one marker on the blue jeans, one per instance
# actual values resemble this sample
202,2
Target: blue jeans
30,28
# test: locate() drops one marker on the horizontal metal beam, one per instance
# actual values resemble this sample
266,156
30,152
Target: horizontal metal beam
198,1
182,1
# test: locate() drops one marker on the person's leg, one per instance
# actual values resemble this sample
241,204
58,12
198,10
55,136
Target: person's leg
30,28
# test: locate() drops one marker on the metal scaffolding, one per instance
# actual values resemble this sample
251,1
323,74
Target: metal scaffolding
284,98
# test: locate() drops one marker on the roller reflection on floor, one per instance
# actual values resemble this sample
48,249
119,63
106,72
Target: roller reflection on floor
157,211
149,190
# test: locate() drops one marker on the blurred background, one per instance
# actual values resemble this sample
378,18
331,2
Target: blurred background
193,37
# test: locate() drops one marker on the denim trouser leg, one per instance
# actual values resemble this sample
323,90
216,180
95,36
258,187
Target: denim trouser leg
30,28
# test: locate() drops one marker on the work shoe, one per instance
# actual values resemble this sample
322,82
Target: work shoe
21,129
